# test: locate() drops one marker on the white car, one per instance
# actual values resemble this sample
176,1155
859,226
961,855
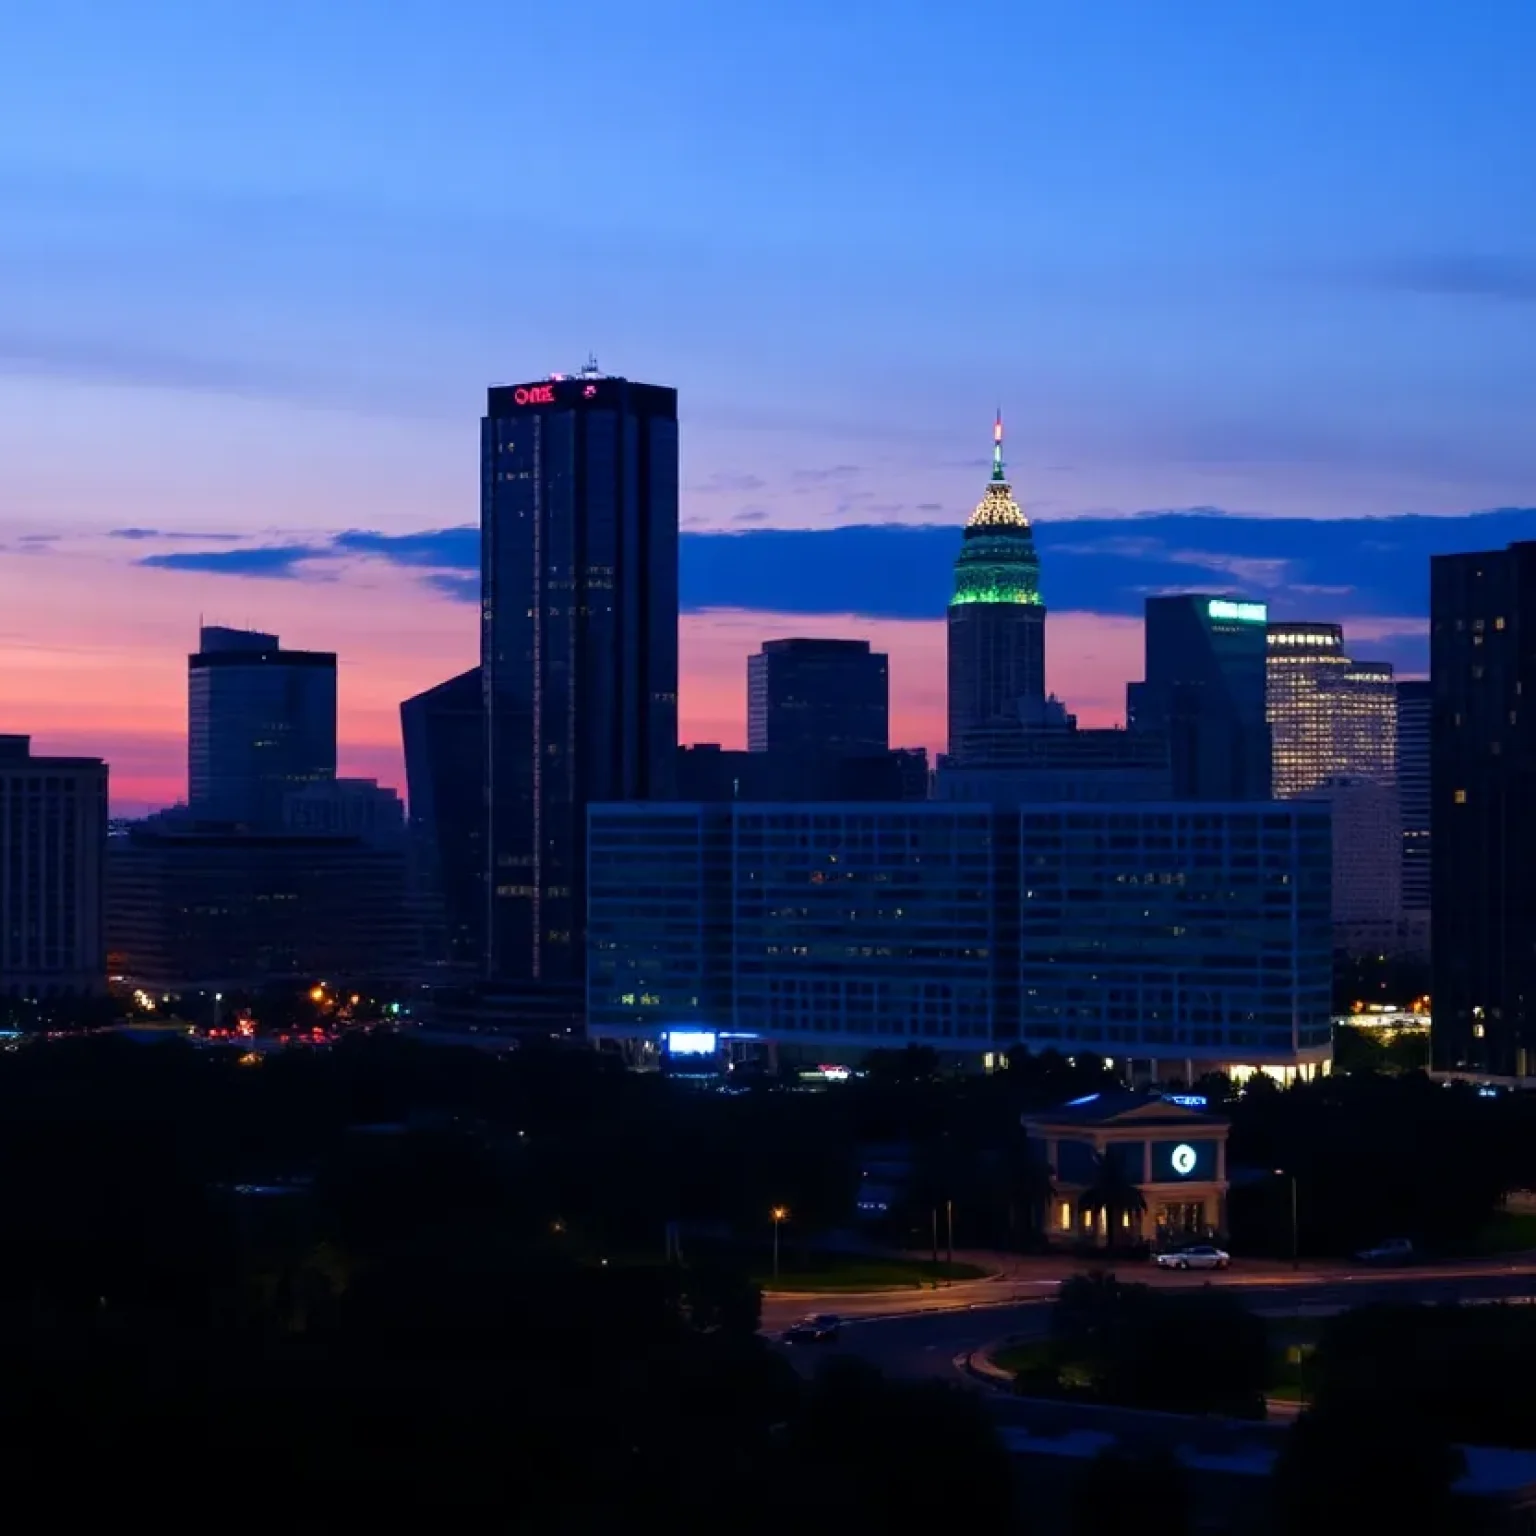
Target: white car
1204,1257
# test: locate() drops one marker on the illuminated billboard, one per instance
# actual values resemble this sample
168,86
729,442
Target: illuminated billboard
1243,613
692,1042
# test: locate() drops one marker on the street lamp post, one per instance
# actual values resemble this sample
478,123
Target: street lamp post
1281,1173
780,1214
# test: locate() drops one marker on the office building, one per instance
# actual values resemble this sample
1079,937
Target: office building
1413,717
1204,692
1329,716
579,499
200,909
1176,937
1333,726
996,628
261,722
53,839
347,808
708,772
1483,811
1367,864
444,734
818,698
1061,763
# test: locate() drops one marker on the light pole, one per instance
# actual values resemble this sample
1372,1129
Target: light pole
949,1221
1280,1173
780,1214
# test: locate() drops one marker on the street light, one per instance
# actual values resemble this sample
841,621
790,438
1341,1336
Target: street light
780,1214
1280,1173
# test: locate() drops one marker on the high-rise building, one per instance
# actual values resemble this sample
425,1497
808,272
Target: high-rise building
444,734
347,808
827,698
1188,936
1413,717
1333,725
996,624
1204,692
206,908
1329,716
1482,665
261,722
579,509
53,838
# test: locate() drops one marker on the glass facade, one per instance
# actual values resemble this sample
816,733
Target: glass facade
1204,693
261,722
1413,717
1483,811
1172,931
818,698
579,482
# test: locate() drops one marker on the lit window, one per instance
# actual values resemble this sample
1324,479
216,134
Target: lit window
1461,797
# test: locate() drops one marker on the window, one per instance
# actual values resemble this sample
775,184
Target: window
1461,797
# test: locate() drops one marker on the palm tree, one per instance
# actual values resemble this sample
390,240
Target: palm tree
1114,1194
1029,1186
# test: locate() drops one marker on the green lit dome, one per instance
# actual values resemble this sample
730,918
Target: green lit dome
998,562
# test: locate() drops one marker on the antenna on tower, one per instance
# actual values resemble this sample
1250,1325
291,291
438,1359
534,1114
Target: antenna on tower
592,370
997,447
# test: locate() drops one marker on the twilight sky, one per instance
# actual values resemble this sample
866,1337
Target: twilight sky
1255,286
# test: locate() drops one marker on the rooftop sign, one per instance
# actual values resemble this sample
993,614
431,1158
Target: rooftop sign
1244,613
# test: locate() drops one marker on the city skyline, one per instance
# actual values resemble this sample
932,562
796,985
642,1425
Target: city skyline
249,305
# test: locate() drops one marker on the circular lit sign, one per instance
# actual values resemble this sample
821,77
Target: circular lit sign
1183,1159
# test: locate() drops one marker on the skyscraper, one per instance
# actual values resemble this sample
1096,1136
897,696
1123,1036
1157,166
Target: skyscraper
996,623
261,721
1413,736
579,493
1204,691
53,839
444,735
818,697
1329,716
1482,664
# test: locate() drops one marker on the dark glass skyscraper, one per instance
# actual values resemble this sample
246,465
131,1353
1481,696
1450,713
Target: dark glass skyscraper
827,697
261,722
1414,706
1204,692
996,623
579,480
1482,662
444,734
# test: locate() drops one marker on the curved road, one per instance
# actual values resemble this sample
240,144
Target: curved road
923,1333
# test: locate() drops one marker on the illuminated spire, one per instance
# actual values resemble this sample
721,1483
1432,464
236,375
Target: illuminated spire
997,448
998,562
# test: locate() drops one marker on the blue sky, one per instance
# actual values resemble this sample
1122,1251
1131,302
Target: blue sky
259,262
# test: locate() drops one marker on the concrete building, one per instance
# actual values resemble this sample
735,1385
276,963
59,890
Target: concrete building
53,838
1177,937
578,521
261,723
1061,763
1482,661
347,808
1204,692
711,773
818,698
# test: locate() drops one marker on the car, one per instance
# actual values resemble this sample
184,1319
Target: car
1202,1257
1395,1250
823,1328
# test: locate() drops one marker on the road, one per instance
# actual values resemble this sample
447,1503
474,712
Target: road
916,1334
